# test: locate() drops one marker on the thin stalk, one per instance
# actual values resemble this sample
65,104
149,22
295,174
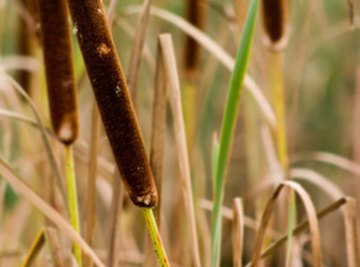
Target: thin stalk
155,237
291,224
227,128
278,98
72,197
91,186
277,91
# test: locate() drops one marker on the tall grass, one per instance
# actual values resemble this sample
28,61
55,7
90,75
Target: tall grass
219,134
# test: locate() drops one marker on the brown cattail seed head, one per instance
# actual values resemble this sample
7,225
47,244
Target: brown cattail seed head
55,33
112,96
196,16
275,21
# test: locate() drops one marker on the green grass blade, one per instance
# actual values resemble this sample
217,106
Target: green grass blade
227,128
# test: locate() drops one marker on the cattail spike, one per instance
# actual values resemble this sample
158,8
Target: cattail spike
112,96
275,21
55,33
196,16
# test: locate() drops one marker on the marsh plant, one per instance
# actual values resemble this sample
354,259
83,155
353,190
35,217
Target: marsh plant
179,133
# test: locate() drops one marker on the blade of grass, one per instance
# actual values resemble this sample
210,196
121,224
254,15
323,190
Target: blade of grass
216,51
318,180
227,213
44,137
135,58
351,233
60,257
116,212
313,223
228,126
22,188
157,144
330,158
299,228
291,224
238,232
91,181
168,56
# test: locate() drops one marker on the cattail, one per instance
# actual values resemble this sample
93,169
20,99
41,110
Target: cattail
112,96
275,20
196,16
55,34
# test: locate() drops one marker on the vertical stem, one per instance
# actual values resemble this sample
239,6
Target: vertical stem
72,197
91,186
277,89
155,237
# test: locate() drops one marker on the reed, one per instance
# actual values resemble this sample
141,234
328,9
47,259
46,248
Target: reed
57,48
112,96
116,109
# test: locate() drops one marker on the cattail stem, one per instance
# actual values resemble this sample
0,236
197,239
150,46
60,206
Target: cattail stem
155,237
277,91
72,197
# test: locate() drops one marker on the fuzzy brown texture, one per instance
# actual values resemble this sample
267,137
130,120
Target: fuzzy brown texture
275,20
112,96
55,33
196,16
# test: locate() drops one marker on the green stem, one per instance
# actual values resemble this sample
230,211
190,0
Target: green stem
155,237
72,198
277,89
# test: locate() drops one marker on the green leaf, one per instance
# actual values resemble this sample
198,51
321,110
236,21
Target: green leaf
228,126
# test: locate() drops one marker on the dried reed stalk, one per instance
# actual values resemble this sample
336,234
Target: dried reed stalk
135,58
112,96
238,232
168,56
313,223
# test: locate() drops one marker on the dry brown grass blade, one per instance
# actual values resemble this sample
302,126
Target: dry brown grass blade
22,188
168,56
301,227
238,232
60,257
315,178
35,248
135,58
157,144
313,222
351,233
91,182
116,211
18,62
158,126
44,136
333,159
129,30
